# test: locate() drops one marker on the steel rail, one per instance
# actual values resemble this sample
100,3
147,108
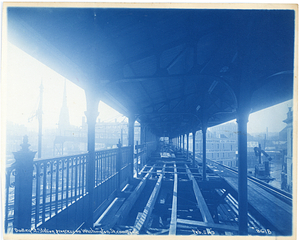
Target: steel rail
286,197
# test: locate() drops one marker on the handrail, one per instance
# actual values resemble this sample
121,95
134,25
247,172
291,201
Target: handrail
61,181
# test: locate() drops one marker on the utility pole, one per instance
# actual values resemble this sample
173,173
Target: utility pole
39,114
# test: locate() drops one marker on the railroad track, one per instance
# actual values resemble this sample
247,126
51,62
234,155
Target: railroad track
284,196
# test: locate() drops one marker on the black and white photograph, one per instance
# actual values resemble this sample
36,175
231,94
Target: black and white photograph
152,119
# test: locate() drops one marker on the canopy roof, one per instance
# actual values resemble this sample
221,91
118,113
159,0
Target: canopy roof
172,68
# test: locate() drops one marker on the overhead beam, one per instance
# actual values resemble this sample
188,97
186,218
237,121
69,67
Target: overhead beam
146,93
159,49
176,59
179,100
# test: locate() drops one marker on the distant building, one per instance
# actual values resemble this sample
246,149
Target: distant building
287,168
71,140
67,139
221,144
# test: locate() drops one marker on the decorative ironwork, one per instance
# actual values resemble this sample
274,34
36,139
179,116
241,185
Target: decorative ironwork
62,181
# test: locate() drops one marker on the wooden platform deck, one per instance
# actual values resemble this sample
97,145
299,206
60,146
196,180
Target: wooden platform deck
170,197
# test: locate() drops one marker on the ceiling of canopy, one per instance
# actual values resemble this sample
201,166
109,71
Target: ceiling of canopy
172,68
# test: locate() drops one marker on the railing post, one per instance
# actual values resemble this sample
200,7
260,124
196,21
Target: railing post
23,186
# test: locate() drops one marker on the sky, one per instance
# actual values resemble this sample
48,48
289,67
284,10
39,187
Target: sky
271,118
25,74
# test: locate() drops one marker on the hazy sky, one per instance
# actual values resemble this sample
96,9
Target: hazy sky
271,117
23,88
24,74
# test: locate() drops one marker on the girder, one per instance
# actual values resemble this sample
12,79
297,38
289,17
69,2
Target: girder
143,60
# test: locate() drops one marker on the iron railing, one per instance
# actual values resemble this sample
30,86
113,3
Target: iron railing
142,153
59,182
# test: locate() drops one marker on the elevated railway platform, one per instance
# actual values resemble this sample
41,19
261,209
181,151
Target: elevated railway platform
169,197
176,71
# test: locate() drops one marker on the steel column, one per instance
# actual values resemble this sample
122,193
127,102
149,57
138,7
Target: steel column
242,175
91,115
180,143
204,128
119,165
183,142
187,145
131,121
194,150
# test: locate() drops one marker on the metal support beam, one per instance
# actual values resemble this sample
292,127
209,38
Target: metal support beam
183,143
131,121
242,174
180,143
194,148
204,152
91,115
187,145
119,164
